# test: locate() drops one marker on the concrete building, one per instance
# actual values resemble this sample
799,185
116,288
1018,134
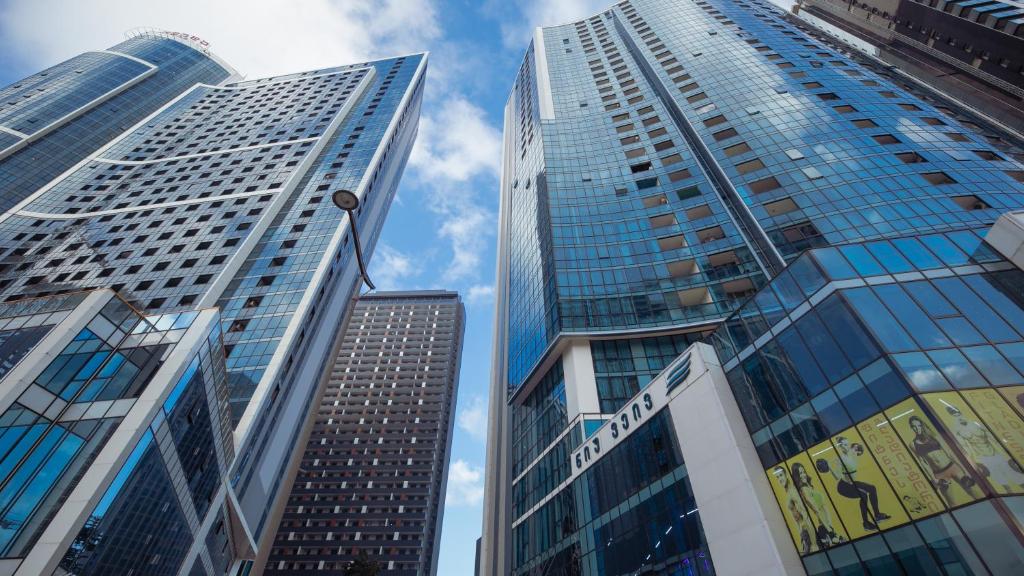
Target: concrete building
375,467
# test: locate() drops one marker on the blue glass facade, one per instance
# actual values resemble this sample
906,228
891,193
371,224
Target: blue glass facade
903,359
56,118
665,162
221,199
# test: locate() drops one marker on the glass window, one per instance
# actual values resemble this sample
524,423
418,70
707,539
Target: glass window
786,383
831,412
883,383
920,372
746,399
810,426
845,562
957,369
852,338
862,261
802,361
917,323
919,256
885,328
993,365
823,347
807,275
1014,353
934,303
836,267
949,546
995,297
891,259
855,398
787,436
960,331
875,554
991,538
770,307
975,310
906,544
945,250
787,291
818,565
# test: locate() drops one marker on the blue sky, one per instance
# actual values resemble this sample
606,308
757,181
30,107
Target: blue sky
441,230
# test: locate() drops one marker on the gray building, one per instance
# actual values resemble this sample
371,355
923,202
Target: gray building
218,200
373,475
670,167
972,51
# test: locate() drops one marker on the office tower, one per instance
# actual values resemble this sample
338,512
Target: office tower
221,199
52,120
373,475
665,162
973,51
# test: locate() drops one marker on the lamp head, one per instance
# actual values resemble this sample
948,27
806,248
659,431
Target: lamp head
345,199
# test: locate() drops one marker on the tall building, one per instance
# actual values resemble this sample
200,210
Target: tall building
973,51
372,478
666,163
218,200
52,120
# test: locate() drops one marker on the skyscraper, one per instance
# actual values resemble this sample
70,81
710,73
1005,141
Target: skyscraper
52,120
372,479
221,198
663,162
972,50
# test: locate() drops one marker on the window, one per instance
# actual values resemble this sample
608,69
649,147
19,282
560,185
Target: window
864,123
828,96
749,166
645,183
698,212
714,120
811,172
844,109
794,154
711,234
780,207
679,175
938,178
764,185
654,201
641,167
688,192
736,149
724,134
910,157
970,202
671,242
886,139
662,221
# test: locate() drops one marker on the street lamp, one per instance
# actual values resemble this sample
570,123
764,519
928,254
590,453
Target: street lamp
348,201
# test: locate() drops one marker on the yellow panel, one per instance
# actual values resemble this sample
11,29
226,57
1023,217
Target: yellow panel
981,448
900,468
1007,428
793,509
943,467
859,490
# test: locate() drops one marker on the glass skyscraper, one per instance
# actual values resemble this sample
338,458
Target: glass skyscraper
666,163
216,202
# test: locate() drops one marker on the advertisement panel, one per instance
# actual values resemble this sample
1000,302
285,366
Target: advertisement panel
984,451
863,497
1006,427
913,487
943,467
809,513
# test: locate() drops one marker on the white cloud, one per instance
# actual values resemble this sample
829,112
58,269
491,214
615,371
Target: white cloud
465,484
480,294
458,153
258,37
392,269
516,33
473,418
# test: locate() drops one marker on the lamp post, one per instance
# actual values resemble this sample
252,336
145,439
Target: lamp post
348,201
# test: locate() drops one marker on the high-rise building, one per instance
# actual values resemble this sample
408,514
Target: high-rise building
52,120
973,51
372,478
220,198
666,163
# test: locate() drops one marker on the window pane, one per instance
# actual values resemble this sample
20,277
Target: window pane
883,383
920,372
807,275
950,546
875,554
972,307
907,545
991,537
918,255
836,267
802,361
993,365
945,250
862,261
831,412
917,323
957,369
855,397
891,259
885,328
845,562
852,338
820,342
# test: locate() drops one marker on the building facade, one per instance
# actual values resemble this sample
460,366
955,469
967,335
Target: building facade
970,50
52,120
663,163
221,199
373,476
